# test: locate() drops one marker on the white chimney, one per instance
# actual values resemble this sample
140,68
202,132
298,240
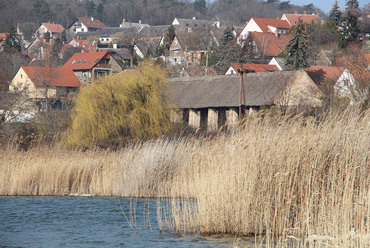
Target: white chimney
194,18
139,21
92,18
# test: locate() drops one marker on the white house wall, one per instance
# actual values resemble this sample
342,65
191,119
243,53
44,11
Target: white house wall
250,27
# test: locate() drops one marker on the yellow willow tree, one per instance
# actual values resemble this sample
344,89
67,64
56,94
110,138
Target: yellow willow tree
131,105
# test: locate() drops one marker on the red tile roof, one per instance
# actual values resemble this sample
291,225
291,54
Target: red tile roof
263,23
3,38
61,77
85,61
293,18
255,67
91,22
363,60
54,28
270,45
321,73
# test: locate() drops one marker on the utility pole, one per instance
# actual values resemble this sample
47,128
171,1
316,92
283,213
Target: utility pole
242,98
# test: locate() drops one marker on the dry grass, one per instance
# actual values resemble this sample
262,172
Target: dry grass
286,177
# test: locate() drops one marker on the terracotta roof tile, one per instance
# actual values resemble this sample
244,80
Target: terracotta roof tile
270,45
54,28
62,77
256,67
91,23
293,18
320,73
263,23
84,61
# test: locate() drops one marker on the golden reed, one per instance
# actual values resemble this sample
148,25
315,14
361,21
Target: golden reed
289,177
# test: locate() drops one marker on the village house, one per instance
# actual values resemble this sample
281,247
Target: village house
41,83
263,25
81,25
211,103
54,30
190,48
85,45
343,80
252,68
278,62
89,66
41,49
264,46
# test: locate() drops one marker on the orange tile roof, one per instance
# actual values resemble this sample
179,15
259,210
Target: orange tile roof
263,23
293,18
3,37
348,60
61,77
256,67
95,23
54,28
85,43
321,73
85,61
270,45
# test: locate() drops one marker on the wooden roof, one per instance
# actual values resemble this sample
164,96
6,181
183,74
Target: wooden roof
223,91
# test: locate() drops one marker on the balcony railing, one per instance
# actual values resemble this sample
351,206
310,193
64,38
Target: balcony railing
103,66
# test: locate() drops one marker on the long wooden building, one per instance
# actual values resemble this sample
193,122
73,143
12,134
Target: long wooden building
211,103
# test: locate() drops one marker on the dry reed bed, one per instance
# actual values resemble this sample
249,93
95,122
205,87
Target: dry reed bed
278,176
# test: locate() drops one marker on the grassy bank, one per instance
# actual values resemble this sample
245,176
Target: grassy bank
278,176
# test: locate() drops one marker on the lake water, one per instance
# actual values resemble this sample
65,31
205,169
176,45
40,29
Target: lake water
92,222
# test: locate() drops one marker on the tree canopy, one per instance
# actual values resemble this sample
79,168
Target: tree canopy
134,104
297,47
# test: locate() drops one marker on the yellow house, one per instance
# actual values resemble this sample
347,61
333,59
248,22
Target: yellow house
39,83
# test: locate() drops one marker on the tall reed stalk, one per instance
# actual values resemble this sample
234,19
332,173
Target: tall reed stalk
277,176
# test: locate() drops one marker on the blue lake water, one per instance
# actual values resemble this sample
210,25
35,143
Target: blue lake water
92,222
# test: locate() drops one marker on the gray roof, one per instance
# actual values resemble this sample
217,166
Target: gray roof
223,91
153,31
192,23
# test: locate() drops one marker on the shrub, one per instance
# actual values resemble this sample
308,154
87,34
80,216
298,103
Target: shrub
130,105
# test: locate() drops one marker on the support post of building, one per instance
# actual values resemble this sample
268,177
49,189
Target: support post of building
194,118
212,120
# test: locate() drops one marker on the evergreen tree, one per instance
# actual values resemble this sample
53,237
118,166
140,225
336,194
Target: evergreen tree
56,48
11,42
349,29
200,6
64,37
100,11
335,14
227,36
47,36
90,8
297,47
352,5
41,11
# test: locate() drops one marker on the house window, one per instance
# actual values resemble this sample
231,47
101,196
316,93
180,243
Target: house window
26,90
21,76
